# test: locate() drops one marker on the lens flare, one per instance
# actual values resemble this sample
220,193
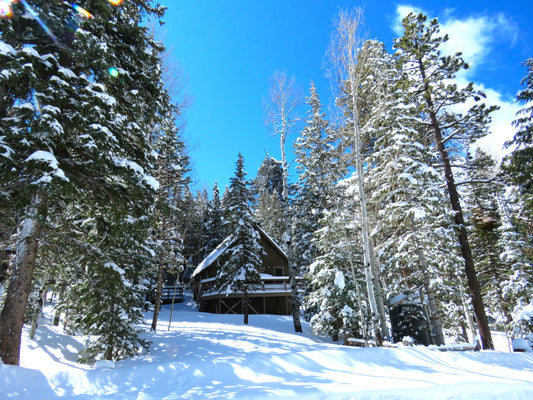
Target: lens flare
113,72
5,9
35,15
82,11
115,2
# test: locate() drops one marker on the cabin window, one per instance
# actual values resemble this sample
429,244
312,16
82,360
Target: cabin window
278,271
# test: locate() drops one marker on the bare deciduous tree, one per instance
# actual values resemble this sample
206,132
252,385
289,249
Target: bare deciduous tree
345,57
283,100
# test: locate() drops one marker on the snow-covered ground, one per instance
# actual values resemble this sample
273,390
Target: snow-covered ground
206,356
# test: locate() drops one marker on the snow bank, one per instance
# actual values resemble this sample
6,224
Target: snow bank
207,356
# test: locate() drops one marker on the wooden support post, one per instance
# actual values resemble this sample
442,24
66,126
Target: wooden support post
251,307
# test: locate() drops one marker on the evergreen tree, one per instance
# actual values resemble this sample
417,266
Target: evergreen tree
517,290
191,223
405,202
239,273
430,80
215,232
85,141
172,167
519,169
352,71
269,203
102,293
318,169
269,178
336,297
482,196
519,165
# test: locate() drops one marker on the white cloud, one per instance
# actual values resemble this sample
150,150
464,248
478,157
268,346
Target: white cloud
501,129
473,37
403,11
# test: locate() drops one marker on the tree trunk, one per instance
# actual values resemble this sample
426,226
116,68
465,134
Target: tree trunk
466,252
288,229
39,306
19,288
158,292
434,315
294,288
57,315
246,307
375,294
379,293
359,303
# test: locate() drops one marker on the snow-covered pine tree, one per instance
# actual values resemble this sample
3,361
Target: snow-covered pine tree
406,205
75,133
482,195
215,232
430,77
269,205
518,168
517,256
239,272
102,289
194,223
518,164
172,169
318,167
351,71
336,298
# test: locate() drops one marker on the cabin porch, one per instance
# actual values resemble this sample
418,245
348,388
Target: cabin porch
273,296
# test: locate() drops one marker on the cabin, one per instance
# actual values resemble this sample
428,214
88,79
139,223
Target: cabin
274,295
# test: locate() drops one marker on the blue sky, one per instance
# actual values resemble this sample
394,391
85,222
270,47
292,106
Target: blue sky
229,49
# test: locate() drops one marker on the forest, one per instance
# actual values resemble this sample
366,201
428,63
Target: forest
392,202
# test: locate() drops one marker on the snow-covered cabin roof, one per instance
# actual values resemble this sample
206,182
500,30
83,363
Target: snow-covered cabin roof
211,258
274,244
222,247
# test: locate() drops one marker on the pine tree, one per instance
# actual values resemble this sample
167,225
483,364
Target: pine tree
352,71
518,165
172,167
336,299
518,170
318,169
215,232
85,140
102,290
517,248
239,273
483,194
269,205
405,203
429,77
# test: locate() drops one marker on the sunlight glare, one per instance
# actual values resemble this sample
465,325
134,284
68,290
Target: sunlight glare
5,9
35,15
113,72
82,11
115,2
